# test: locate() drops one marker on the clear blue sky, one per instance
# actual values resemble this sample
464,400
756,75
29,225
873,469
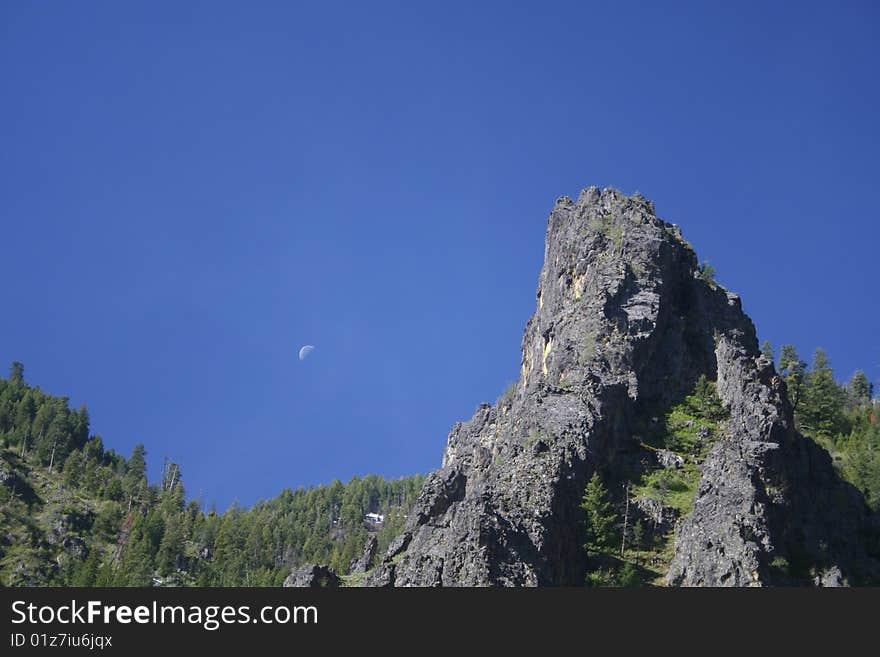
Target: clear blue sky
189,192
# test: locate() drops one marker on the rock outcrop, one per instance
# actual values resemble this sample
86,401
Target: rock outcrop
313,575
362,563
626,322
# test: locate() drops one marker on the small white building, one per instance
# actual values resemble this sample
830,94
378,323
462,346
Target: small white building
375,518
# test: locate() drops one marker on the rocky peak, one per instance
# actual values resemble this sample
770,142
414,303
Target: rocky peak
625,322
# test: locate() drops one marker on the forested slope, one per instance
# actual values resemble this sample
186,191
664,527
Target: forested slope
73,512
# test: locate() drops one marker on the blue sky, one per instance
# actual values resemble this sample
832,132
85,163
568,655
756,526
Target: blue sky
189,192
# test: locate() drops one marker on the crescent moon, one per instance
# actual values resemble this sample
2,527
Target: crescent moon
305,351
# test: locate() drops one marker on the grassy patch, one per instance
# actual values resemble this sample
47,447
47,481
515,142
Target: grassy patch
672,487
353,580
602,225
687,430
617,238
506,398
637,270
534,436
588,348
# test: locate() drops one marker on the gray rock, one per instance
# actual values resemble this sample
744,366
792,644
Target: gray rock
704,433
624,323
362,564
830,578
313,575
397,546
766,490
382,576
669,459
74,546
656,512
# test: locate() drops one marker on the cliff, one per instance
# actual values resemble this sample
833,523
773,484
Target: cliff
625,325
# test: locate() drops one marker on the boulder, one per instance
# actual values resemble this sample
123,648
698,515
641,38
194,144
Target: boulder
312,576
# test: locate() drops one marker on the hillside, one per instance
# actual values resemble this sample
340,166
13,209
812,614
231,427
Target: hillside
75,513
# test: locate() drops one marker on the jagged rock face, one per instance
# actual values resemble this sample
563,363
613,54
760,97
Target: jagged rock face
768,497
362,563
313,576
624,322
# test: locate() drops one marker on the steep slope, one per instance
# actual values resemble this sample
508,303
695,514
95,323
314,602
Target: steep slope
625,325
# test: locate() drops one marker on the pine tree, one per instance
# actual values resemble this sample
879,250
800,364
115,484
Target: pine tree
73,469
638,536
171,547
87,572
860,389
134,481
16,373
767,351
704,401
137,463
105,576
25,410
707,272
822,412
80,426
600,517
793,370
137,565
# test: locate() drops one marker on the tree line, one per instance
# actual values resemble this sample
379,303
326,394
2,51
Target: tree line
842,418
75,513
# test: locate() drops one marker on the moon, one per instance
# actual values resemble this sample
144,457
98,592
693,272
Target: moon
305,351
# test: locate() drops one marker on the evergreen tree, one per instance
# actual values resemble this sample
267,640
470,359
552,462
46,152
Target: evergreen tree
87,572
767,351
25,410
822,412
16,373
80,427
105,577
862,464
137,463
860,389
137,564
793,371
134,483
171,547
113,490
638,535
600,517
707,272
704,401
73,469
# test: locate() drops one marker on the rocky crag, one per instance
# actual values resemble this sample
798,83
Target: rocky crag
626,322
